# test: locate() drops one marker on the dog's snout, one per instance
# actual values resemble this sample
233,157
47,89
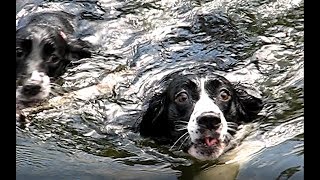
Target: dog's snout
31,89
209,120
37,76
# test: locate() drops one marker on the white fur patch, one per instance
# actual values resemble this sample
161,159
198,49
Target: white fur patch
36,78
203,105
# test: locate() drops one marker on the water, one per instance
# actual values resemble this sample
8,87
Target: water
138,42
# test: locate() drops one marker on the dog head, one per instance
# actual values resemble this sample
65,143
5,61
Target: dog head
201,112
43,52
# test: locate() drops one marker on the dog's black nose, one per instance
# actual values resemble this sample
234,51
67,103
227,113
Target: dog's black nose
31,89
209,120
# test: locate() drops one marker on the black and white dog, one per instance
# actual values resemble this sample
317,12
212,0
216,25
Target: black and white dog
45,45
201,112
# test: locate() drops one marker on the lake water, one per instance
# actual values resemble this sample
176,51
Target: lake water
260,43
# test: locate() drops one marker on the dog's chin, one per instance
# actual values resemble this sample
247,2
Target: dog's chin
204,149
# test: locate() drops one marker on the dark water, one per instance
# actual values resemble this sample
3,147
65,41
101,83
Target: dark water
260,43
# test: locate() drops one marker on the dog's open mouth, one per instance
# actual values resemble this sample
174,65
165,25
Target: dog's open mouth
207,148
210,141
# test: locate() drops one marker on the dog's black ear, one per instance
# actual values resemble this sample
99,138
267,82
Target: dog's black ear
250,103
78,49
154,122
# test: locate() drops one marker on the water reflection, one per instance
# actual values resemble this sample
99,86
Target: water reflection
256,42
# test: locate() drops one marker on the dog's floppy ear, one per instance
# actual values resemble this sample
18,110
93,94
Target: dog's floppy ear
250,102
154,122
78,49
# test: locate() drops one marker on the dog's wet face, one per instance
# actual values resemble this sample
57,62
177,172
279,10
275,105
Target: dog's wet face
207,126
40,55
199,113
43,51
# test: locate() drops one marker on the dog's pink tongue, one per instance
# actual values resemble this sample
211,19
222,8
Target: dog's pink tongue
210,141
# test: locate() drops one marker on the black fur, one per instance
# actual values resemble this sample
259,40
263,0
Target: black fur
158,120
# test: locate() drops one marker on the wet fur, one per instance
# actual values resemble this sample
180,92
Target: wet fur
158,120
45,43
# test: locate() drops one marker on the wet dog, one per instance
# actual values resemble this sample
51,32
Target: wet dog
45,46
200,113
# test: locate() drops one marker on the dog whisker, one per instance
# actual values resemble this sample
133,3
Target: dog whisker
231,129
182,122
54,85
229,122
232,124
186,133
181,129
180,126
186,138
228,136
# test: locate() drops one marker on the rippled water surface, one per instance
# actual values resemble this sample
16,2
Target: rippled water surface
137,42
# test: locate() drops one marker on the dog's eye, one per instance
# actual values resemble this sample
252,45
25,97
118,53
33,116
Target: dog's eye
224,95
19,53
181,98
48,49
54,59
